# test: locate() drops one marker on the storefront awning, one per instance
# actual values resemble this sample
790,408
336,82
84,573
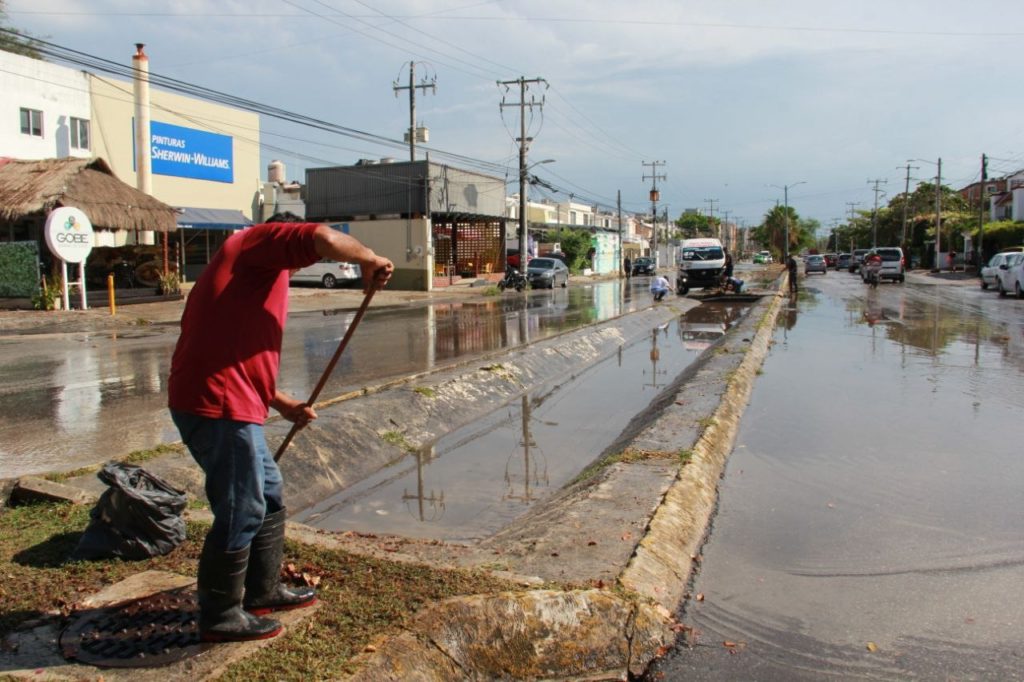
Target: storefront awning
192,218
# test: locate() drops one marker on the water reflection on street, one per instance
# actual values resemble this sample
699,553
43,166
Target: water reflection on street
69,400
873,496
475,480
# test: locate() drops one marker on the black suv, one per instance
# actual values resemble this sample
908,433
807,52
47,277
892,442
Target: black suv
643,266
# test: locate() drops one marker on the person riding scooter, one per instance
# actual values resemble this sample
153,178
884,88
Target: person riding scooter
872,266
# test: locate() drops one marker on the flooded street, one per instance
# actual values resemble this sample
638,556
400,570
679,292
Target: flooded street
869,523
477,479
70,400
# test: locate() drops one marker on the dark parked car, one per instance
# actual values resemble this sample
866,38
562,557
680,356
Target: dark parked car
843,261
545,273
643,266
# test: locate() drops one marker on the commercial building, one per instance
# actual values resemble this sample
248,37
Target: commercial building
204,155
435,222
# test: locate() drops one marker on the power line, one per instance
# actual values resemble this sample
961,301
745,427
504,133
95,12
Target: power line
554,20
107,66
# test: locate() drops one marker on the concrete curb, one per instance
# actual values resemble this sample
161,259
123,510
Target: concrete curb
590,634
665,556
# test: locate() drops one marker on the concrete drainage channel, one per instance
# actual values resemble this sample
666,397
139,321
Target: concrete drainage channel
632,519
477,479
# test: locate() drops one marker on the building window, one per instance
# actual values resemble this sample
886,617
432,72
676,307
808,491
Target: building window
79,133
31,122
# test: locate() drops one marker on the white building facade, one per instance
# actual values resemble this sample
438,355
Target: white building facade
45,111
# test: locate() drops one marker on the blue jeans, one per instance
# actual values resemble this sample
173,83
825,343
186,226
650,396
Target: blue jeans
243,482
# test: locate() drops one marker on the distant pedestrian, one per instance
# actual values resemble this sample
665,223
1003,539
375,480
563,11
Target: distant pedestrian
791,267
659,287
727,270
952,260
628,265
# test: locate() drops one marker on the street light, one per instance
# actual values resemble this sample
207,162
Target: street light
523,171
938,211
785,193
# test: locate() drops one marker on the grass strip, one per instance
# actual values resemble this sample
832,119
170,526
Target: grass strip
363,598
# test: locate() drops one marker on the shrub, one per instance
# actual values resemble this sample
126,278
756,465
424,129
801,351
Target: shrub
19,269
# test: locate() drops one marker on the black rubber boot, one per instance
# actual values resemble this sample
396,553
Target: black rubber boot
221,583
264,591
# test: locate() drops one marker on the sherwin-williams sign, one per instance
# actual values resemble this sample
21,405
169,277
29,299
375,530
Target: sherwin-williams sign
190,153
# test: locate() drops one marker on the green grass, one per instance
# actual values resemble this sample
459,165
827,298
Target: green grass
425,391
397,438
362,598
627,455
137,457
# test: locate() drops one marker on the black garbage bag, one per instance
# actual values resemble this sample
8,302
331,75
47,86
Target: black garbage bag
137,517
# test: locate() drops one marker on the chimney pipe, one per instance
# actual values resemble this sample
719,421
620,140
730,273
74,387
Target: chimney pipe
143,166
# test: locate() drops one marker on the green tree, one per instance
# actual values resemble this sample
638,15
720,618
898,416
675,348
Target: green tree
956,218
771,233
15,40
575,245
690,225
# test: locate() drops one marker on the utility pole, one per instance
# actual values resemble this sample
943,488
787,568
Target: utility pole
524,143
618,204
712,230
850,206
411,87
906,203
979,260
664,212
725,228
938,217
655,195
874,213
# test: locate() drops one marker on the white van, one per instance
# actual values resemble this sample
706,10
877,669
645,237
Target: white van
329,273
701,262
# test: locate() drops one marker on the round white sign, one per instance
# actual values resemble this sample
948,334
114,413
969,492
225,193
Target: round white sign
69,234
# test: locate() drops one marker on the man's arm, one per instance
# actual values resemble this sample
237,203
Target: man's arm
292,409
330,243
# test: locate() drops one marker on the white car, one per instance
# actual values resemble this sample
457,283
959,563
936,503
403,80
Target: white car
990,273
328,273
1011,275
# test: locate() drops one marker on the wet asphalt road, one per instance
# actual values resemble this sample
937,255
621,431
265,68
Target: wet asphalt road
75,399
870,518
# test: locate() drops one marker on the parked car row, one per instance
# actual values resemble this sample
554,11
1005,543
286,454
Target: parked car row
1005,272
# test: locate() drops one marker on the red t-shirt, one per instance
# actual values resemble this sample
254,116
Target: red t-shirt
226,361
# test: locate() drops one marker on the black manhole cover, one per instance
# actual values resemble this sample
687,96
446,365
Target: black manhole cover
152,631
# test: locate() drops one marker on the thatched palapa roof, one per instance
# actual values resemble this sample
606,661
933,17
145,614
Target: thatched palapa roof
37,187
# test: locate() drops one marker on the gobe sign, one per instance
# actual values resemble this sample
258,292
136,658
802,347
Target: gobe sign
69,234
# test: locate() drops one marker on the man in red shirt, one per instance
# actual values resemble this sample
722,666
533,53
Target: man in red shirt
221,386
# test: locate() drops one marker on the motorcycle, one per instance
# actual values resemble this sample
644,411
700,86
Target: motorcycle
872,272
513,280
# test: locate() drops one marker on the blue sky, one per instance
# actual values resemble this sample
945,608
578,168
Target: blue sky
734,95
